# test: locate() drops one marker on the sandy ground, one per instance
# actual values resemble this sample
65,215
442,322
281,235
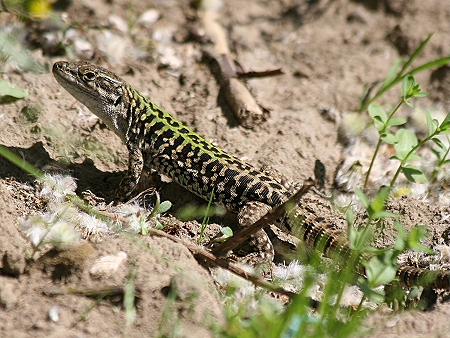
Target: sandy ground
327,50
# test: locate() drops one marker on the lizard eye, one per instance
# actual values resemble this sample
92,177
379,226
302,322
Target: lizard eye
89,76
118,101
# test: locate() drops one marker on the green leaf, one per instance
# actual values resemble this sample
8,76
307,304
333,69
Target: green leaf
407,86
163,207
421,94
358,238
405,141
377,296
227,232
430,123
377,209
363,198
439,143
400,242
410,158
392,74
445,125
396,121
381,270
10,92
378,115
417,234
388,138
414,174
416,53
384,214
350,215
432,64
158,225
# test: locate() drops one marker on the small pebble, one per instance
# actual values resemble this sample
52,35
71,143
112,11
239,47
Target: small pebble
148,18
53,313
106,266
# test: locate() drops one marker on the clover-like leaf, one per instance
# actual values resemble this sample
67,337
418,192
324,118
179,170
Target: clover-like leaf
406,140
389,138
378,115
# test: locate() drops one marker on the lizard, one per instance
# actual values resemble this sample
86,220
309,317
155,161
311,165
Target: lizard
156,139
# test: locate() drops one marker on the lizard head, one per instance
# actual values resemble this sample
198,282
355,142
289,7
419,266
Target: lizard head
98,89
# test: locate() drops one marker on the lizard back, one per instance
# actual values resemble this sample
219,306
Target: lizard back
166,144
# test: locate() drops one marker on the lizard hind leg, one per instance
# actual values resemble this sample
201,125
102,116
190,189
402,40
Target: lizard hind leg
258,250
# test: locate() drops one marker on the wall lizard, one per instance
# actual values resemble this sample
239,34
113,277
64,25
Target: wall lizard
156,139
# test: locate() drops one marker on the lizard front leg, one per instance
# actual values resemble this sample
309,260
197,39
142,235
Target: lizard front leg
133,175
261,248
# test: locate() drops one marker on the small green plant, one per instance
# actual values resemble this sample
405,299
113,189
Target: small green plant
442,156
159,208
12,51
404,140
381,267
10,93
396,76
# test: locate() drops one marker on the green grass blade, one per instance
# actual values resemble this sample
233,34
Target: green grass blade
415,54
432,64
20,162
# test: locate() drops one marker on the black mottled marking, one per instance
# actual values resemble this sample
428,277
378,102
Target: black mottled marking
230,173
240,189
138,102
160,113
156,127
253,191
196,139
184,131
204,157
168,134
168,119
241,165
214,167
177,142
151,105
275,186
142,130
263,178
287,194
276,199
186,150
214,149
173,122
195,156
223,155
245,179
205,145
